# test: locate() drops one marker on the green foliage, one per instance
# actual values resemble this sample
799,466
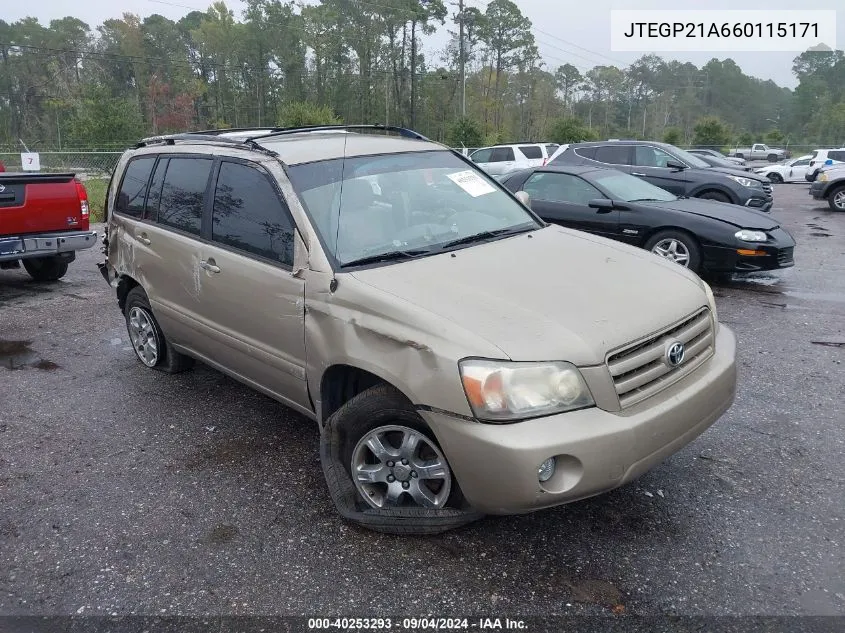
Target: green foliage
711,132
96,188
99,118
746,139
300,113
465,132
673,136
775,137
569,130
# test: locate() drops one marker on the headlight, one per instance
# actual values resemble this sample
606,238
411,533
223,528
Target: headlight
823,177
747,235
746,182
711,300
500,391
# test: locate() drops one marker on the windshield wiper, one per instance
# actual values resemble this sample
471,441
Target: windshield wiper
388,256
649,200
486,235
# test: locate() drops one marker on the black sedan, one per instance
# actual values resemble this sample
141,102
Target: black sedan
702,235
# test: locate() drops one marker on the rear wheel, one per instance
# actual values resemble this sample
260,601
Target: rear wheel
676,246
714,195
46,268
836,199
739,155
147,339
775,178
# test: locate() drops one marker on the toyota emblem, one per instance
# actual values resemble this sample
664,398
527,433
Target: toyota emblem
675,354
2,188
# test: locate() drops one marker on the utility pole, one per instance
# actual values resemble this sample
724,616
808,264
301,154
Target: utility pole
461,62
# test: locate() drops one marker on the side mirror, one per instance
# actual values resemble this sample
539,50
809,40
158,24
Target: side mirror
602,205
524,198
674,165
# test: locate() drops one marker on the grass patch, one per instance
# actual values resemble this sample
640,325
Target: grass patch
96,188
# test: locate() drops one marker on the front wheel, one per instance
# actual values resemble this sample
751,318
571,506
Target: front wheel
718,196
775,178
676,246
836,199
46,268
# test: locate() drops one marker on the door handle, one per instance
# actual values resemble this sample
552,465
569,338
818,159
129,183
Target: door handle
636,173
144,239
210,266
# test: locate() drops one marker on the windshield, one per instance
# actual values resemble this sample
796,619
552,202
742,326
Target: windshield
621,186
690,159
412,204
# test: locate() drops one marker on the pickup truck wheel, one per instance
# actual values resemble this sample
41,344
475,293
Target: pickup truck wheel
718,196
384,469
147,339
739,155
836,199
676,246
773,158
45,268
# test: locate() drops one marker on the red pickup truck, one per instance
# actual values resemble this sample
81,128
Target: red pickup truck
43,222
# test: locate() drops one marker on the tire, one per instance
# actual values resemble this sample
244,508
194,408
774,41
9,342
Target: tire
718,196
836,198
738,155
383,407
46,268
672,245
147,340
775,178
772,158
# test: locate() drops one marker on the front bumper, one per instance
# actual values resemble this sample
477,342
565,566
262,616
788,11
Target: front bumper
45,244
594,450
817,190
778,252
760,199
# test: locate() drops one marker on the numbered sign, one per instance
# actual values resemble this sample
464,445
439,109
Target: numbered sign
30,161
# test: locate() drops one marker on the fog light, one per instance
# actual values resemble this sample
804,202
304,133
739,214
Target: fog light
546,469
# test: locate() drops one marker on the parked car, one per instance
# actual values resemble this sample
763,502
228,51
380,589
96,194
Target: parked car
715,161
791,171
501,159
444,384
700,235
672,169
2,166
43,222
830,186
703,153
821,158
760,151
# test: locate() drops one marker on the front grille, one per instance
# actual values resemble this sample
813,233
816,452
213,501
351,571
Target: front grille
785,256
640,370
767,189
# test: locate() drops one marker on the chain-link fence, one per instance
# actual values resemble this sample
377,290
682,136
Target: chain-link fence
85,165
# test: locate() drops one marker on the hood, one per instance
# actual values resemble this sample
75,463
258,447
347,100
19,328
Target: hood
735,172
553,294
741,217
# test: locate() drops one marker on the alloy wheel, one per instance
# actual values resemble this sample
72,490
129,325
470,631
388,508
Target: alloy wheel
674,250
399,466
143,336
839,200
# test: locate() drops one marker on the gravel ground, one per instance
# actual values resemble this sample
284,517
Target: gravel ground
125,491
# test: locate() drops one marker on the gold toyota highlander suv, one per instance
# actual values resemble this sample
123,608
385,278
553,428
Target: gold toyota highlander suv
459,356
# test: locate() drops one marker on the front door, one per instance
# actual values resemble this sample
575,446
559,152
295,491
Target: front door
563,199
253,304
651,164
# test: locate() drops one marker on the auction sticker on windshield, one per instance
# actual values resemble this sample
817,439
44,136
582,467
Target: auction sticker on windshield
471,182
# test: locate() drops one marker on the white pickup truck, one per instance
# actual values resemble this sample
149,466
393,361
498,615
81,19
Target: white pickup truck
760,151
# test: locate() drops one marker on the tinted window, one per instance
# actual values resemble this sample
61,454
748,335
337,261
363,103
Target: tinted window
613,154
801,163
481,156
586,152
133,189
248,214
183,192
501,154
836,155
561,188
646,156
154,194
531,151
551,147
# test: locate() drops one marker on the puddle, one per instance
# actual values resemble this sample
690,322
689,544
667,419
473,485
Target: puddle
816,234
19,355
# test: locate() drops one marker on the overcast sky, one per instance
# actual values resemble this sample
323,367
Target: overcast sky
570,31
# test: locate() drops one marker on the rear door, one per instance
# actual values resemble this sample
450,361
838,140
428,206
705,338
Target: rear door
650,164
254,305
502,161
532,156
163,200
616,156
563,199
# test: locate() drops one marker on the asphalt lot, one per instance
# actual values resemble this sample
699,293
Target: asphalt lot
126,491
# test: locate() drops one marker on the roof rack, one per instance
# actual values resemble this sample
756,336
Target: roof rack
405,132
170,139
225,130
